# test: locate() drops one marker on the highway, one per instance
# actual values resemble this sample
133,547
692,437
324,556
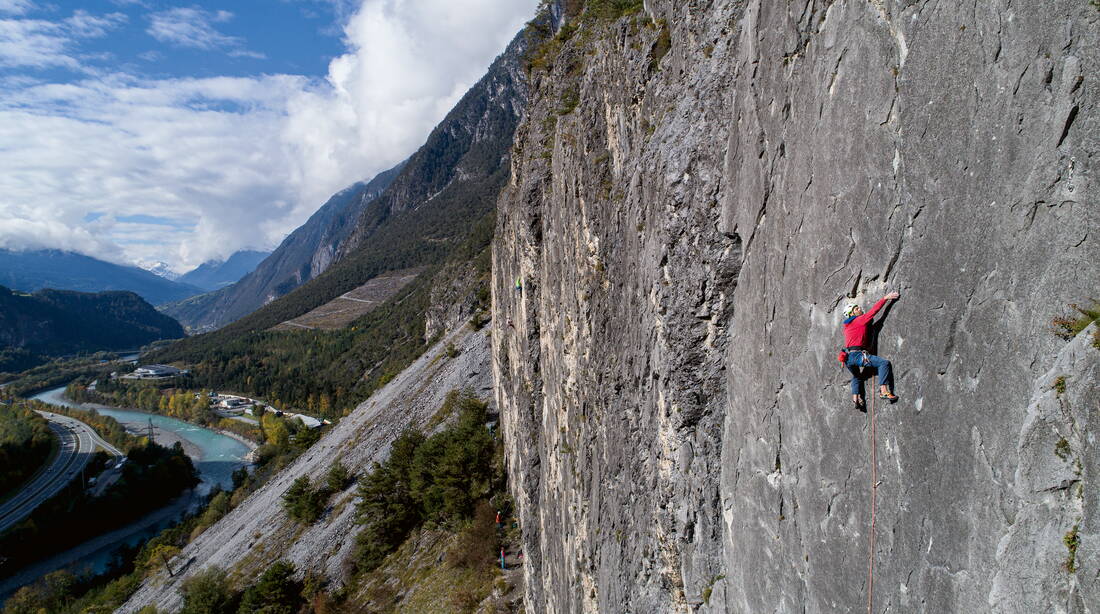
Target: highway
78,442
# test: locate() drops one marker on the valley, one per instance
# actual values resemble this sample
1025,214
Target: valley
578,351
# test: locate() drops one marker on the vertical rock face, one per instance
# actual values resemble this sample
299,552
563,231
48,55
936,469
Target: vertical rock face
695,193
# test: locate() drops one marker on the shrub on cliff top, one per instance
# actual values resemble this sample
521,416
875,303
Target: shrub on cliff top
209,592
276,592
612,9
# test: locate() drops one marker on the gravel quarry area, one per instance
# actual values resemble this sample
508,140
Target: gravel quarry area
258,532
346,308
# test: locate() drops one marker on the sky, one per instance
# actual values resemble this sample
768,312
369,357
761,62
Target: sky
144,131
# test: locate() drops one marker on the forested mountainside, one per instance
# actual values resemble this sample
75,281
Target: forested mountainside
63,322
698,189
32,270
216,274
259,531
437,213
303,255
426,206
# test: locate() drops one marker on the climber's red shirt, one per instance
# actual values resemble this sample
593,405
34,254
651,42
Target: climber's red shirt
855,327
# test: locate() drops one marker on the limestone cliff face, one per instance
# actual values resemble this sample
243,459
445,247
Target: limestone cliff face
684,228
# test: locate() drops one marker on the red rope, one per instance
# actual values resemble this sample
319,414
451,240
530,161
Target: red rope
874,489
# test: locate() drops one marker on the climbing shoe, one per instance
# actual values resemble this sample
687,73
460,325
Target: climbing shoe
893,398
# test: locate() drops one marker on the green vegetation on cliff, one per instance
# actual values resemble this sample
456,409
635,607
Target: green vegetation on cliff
1067,327
426,479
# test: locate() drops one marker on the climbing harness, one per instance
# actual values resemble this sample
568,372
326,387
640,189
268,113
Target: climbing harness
865,356
874,489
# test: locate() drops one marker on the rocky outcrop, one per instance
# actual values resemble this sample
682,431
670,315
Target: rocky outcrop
258,532
462,290
1054,502
695,192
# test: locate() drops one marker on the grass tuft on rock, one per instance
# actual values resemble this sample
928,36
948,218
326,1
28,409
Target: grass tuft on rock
1068,327
1071,540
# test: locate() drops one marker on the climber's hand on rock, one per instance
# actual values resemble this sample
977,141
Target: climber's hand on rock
893,296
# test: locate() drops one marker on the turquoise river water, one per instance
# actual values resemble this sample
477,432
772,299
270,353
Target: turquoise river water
216,457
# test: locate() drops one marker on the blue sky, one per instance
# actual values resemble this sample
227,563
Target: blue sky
154,130
166,39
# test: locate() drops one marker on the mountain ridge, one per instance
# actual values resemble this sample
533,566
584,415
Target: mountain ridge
33,270
306,253
215,274
465,161
65,321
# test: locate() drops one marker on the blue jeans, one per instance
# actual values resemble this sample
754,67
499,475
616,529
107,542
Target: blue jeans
855,365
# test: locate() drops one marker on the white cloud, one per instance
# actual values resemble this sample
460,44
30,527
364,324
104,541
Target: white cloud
20,234
85,25
35,43
194,28
191,150
235,162
409,62
15,7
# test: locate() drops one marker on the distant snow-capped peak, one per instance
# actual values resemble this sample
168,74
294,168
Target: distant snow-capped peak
160,268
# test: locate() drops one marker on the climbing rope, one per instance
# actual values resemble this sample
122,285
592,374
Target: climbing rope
874,489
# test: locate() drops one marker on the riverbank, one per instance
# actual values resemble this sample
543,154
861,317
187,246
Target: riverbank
141,428
216,454
252,445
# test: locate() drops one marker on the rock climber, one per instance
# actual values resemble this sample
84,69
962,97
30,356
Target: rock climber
857,342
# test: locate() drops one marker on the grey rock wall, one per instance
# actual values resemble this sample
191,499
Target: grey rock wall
685,228
453,298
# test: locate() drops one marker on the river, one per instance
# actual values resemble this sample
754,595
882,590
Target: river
216,457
